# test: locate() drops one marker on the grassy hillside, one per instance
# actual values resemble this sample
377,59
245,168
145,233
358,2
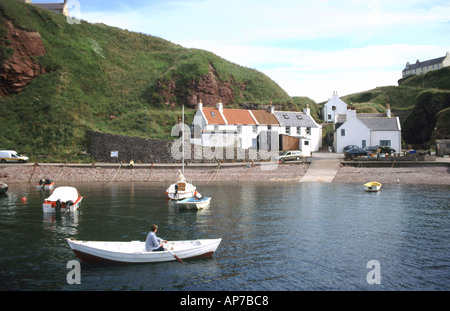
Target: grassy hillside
94,71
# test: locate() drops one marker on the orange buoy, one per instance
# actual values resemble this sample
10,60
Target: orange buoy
24,199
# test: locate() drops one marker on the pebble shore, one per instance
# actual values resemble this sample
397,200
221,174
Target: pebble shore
60,173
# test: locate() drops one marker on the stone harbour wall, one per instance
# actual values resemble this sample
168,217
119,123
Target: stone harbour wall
112,148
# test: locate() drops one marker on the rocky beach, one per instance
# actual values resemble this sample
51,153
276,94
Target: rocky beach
265,172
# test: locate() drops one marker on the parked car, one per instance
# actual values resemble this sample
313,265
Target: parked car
12,156
350,147
355,152
372,149
290,155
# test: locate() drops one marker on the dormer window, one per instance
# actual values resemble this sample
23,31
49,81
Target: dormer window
286,116
299,117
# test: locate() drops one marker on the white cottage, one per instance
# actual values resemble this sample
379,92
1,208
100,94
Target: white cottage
302,126
364,130
333,107
258,129
224,127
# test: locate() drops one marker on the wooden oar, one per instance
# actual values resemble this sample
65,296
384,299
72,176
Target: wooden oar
175,256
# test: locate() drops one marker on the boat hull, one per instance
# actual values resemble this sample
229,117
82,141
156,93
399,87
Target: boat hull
51,207
46,187
134,252
193,203
372,186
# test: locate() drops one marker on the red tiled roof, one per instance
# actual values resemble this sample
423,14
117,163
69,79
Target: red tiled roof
238,116
213,115
264,117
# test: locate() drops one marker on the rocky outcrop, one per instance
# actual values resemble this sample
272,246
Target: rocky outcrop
208,89
20,68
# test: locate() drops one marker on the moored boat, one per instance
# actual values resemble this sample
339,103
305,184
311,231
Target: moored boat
193,203
63,199
134,251
45,183
181,189
372,186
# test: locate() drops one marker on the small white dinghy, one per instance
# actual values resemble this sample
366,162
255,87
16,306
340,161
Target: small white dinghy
63,199
372,186
193,203
134,251
45,183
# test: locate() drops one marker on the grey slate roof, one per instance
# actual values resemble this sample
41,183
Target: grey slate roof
430,62
381,124
290,118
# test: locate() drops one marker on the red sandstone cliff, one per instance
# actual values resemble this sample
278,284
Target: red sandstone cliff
20,68
208,89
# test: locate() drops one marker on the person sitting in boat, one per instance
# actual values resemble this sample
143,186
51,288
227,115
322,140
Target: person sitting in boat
153,243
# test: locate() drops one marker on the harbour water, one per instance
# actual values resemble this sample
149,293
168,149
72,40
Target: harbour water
276,237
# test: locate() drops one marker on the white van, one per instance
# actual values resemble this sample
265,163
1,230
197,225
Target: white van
12,156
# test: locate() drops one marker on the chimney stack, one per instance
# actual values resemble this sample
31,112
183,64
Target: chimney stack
220,107
200,105
307,111
388,110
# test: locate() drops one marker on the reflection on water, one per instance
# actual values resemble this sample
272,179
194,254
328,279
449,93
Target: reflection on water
307,236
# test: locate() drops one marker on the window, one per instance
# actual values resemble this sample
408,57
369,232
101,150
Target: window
342,132
308,130
213,114
363,144
298,130
239,128
216,127
288,130
255,130
385,143
299,117
329,117
286,116
306,143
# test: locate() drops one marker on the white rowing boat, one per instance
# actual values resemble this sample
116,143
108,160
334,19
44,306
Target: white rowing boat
134,251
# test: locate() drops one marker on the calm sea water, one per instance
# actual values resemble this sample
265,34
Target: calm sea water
280,237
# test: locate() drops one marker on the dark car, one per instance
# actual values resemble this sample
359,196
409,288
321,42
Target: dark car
355,152
350,147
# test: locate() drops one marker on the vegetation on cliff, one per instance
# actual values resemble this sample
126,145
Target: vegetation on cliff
104,78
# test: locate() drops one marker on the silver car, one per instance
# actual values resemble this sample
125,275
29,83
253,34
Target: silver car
291,155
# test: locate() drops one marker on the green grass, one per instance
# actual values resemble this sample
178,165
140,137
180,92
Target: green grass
94,71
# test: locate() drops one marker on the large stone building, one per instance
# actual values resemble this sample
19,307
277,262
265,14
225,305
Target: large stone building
426,66
60,8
